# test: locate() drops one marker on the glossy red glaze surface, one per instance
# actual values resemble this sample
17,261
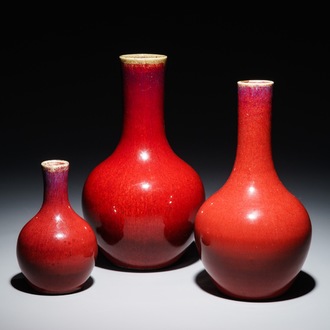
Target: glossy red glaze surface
252,234
56,249
142,200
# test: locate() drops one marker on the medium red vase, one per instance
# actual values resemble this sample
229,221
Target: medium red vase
142,200
252,234
56,249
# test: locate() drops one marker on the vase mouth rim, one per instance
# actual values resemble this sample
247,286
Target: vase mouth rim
255,82
55,164
143,58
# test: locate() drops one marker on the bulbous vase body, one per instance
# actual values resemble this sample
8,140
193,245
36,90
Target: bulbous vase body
142,200
252,234
56,249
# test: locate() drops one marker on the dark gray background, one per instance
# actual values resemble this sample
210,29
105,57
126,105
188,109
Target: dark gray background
61,94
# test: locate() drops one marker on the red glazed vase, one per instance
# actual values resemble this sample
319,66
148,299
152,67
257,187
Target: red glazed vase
142,199
56,249
252,234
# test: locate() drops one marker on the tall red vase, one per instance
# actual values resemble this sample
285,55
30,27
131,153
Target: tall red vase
142,200
252,234
56,249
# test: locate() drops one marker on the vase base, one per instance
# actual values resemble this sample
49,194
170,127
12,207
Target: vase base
140,266
56,291
266,296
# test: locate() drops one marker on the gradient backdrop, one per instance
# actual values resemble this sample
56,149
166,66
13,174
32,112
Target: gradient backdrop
61,96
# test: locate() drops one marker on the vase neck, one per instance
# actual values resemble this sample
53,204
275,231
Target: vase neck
254,151
55,178
143,96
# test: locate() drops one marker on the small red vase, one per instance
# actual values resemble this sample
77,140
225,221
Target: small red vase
142,199
252,234
56,249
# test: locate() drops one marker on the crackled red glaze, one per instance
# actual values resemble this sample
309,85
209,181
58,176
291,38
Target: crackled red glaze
56,249
142,199
252,234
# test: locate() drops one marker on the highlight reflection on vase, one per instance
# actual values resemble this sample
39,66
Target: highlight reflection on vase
142,199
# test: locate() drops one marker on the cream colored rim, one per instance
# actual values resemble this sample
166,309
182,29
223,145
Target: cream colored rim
255,82
141,58
53,165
